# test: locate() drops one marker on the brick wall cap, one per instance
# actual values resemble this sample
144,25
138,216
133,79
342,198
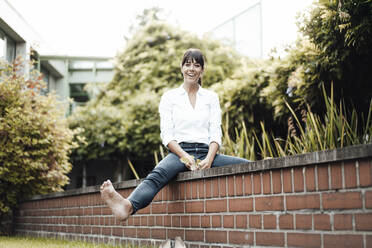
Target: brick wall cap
320,157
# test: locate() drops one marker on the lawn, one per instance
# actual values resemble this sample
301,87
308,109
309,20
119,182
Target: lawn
29,242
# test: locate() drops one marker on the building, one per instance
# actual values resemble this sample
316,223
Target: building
66,75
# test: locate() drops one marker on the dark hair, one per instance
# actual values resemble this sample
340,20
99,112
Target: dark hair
194,54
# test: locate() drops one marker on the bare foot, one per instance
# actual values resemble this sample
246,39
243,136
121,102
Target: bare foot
120,207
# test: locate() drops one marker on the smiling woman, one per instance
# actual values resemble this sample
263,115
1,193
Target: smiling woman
190,125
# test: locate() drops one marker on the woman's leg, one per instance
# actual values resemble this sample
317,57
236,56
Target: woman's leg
167,169
142,196
223,160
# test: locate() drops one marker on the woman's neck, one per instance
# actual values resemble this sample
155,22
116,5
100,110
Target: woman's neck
191,87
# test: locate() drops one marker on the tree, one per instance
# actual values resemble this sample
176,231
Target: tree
123,121
35,141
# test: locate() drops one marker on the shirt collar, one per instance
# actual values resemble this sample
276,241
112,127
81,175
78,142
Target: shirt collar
182,91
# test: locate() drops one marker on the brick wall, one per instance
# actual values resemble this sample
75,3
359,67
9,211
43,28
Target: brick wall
321,199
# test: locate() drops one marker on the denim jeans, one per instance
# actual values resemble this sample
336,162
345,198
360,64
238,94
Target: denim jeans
168,168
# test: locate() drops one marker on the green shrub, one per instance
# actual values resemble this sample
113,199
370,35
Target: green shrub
35,141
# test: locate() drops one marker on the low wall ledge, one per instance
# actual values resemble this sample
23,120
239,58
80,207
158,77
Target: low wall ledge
320,157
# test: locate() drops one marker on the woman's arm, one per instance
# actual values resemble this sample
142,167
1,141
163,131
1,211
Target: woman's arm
207,162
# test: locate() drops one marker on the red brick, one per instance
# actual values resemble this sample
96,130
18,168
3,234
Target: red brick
303,201
159,220
151,220
167,220
136,220
208,188
194,189
343,241
277,181
176,221
368,199
240,204
215,236
172,233
323,182
347,200
287,180
363,222
105,230
195,207
322,222
269,239
365,173
195,221
255,221
194,235
266,182
269,203
223,186
228,221
230,185
369,240
343,222
157,208
185,221
216,221
269,221
238,185
350,175
298,179
336,176
286,221
201,190
143,232
257,183
215,190
247,184
205,221
241,238
216,206
176,207
241,221
303,221
305,240
310,178
182,191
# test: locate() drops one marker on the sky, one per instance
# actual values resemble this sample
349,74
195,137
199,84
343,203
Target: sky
98,27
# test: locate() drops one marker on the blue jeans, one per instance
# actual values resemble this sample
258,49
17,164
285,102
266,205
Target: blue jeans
168,168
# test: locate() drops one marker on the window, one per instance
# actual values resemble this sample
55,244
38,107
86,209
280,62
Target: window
78,93
2,47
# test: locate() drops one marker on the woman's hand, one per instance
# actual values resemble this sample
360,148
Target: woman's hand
188,160
205,164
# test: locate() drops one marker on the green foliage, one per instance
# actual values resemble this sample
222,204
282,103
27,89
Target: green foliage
123,120
35,140
310,132
335,48
37,242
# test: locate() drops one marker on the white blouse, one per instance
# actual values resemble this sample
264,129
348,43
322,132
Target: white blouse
181,122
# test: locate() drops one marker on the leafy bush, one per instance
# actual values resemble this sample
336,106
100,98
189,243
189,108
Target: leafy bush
35,141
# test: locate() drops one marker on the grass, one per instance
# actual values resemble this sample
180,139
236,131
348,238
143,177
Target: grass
31,242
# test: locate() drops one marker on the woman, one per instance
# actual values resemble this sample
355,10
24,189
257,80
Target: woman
190,125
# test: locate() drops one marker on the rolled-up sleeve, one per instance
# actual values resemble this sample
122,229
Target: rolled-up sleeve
215,133
166,121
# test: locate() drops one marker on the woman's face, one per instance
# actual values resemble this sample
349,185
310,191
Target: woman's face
191,71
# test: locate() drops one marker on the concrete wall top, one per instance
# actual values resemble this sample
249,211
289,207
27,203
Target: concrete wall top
320,157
